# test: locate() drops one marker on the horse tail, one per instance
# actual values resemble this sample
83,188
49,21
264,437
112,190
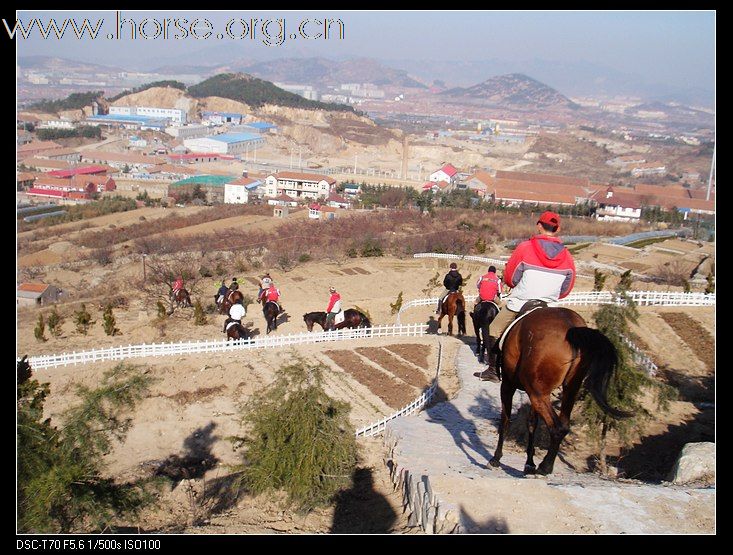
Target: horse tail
461,314
599,354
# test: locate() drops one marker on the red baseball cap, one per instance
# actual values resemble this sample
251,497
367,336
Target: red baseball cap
550,218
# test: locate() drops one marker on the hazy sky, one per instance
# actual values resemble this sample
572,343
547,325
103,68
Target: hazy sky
672,47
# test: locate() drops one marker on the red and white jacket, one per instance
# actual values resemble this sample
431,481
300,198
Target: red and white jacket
488,286
272,293
540,268
334,303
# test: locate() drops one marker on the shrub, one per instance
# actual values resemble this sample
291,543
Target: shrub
54,322
60,483
397,305
102,255
109,322
352,252
371,247
162,310
205,272
303,258
599,279
299,439
199,318
40,329
480,245
83,320
710,287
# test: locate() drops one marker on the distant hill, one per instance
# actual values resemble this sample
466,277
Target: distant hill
514,90
41,63
311,71
257,92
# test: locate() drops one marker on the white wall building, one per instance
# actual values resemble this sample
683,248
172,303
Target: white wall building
299,185
226,143
174,114
447,173
239,191
190,131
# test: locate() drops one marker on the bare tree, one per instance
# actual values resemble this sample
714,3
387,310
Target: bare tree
162,271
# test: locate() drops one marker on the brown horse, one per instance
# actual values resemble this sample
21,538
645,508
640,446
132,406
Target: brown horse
237,331
454,305
181,298
549,348
270,311
229,299
352,319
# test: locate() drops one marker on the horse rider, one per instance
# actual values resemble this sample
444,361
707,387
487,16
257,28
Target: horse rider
334,307
236,313
177,285
540,268
265,283
271,295
221,293
452,282
234,285
488,285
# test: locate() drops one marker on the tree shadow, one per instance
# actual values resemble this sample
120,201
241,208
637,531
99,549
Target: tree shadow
695,389
361,509
490,526
196,460
652,459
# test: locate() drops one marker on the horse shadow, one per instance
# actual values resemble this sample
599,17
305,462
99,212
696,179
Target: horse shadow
463,430
432,325
196,460
493,525
361,509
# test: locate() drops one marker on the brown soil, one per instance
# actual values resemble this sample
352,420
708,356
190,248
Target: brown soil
416,354
694,336
394,393
405,372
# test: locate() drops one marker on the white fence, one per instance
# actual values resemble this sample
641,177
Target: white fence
196,347
641,298
378,427
481,259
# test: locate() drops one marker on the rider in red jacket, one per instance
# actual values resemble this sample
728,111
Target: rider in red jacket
539,268
334,307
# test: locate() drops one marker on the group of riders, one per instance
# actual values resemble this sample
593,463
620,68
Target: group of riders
268,293
540,269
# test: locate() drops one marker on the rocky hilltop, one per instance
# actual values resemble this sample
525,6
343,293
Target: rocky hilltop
514,90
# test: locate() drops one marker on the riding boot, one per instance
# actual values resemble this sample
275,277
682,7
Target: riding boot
492,373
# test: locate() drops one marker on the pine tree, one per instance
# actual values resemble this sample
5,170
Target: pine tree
299,439
60,487
480,245
397,305
199,318
625,282
83,320
109,321
599,280
710,287
40,329
55,320
628,385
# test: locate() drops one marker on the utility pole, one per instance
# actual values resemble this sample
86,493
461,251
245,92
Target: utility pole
712,170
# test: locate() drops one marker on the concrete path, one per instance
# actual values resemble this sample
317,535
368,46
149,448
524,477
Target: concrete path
439,457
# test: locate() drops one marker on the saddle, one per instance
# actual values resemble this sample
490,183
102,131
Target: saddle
529,306
232,323
339,318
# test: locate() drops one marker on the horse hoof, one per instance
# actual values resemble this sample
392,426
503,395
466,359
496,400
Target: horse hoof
493,462
544,470
530,469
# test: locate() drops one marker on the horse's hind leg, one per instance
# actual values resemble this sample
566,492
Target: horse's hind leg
532,418
558,430
450,325
507,393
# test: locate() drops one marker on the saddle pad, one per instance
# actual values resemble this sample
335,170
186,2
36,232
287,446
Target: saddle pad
510,326
230,324
492,302
340,317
